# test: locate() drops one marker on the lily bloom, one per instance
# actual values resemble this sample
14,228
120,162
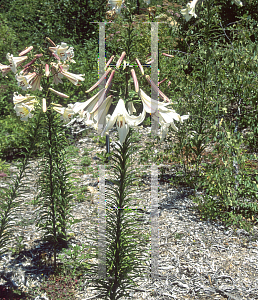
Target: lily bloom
63,52
189,11
35,83
56,70
123,120
98,116
15,61
238,2
116,5
5,69
96,109
66,113
24,110
24,80
17,98
160,113
74,78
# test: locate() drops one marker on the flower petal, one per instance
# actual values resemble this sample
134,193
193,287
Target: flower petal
74,78
15,61
4,69
17,98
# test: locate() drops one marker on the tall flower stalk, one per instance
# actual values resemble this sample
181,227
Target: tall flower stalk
54,182
125,238
126,243
45,69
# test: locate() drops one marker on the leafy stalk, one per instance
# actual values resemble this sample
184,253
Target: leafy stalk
55,186
123,253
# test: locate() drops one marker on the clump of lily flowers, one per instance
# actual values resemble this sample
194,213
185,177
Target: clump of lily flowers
55,66
95,110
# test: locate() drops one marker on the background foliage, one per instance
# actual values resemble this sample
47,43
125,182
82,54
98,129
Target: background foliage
213,75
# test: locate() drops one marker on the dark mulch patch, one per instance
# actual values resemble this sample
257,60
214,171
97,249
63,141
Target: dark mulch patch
7,294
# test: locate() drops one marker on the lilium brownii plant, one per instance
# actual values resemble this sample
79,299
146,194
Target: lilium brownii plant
42,72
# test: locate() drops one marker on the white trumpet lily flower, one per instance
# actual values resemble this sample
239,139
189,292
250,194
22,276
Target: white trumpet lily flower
23,110
24,80
66,112
63,52
74,78
131,107
123,120
93,103
238,2
150,105
15,61
17,98
5,69
99,115
189,11
161,114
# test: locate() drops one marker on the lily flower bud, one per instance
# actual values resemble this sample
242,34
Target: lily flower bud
25,51
38,55
50,41
30,63
110,79
44,105
140,66
162,80
120,60
157,90
56,56
168,55
110,60
47,70
99,81
135,81
58,93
